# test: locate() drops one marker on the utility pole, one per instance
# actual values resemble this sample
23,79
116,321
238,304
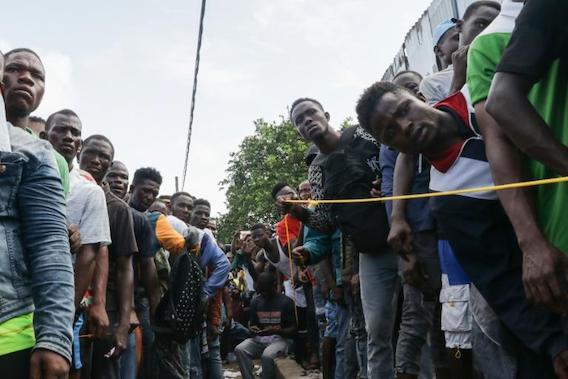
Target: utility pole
177,184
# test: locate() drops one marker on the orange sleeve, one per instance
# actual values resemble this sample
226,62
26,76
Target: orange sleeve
169,239
214,311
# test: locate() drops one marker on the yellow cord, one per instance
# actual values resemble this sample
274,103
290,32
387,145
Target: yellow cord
501,187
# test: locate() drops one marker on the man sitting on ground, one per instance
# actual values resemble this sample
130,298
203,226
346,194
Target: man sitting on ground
272,324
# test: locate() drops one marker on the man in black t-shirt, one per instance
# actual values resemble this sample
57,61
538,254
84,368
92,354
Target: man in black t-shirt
272,324
95,158
146,284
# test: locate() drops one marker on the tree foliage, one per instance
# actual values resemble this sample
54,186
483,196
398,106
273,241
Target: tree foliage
274,153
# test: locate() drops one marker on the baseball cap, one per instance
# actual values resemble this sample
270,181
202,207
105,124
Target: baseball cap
441,29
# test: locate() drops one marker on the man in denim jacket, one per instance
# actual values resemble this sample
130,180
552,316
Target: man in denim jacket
36,285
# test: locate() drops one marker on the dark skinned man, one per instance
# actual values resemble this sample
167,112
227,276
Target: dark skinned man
480,234
117,179
436,86
86,208
146,288
37,286
24,85
532,79
95,158
272,324
378,270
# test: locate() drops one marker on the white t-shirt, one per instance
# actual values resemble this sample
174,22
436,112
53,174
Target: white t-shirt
177,224
436,87
86,208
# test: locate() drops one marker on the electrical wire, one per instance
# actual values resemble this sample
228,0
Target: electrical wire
195,74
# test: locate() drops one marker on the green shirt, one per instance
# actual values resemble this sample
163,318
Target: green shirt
62,166
550,99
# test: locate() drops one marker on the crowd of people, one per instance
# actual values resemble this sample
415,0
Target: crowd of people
101,277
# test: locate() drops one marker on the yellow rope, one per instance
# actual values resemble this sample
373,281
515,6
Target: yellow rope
291,267
501,187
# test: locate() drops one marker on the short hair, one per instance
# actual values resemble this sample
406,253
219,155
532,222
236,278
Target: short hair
64,112
99,137
267,278
258,226
478,4
178,194
301,100
277,188
36,119
404,72
201,202
147,173
369,99
22,50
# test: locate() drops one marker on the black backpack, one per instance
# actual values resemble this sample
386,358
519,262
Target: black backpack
180,312
348,174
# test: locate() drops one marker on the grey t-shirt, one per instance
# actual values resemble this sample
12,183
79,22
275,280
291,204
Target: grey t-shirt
87,209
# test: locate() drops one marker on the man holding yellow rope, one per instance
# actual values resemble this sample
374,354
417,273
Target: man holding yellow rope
475,224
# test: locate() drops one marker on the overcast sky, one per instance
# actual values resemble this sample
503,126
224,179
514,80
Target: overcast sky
126,67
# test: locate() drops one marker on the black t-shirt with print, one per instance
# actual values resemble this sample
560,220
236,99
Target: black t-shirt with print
275,311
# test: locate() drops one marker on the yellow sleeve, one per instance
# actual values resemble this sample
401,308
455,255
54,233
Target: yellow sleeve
169,238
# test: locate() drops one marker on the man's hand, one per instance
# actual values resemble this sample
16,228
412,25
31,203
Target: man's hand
459,60
544,275
74,237
98,320
121,340
561,365
301,256
338,296
413,271
376,189
46,364
254,330
400,237
268,331
355,284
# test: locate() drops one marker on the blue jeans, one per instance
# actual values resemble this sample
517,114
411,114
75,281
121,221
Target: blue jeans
143,312
343,321
193,362
418,309
378,276
358,334
128,359
214,364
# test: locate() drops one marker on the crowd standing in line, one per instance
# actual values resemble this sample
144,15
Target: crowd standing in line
101,277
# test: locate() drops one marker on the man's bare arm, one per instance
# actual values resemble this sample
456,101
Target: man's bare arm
98,318
84,270
400,235
510,107
541,261
149,279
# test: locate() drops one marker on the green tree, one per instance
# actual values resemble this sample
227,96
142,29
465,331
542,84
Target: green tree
274,153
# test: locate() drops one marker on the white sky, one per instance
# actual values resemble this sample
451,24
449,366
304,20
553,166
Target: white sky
126,67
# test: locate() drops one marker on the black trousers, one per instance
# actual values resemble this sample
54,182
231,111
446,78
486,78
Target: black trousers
16,365
486,246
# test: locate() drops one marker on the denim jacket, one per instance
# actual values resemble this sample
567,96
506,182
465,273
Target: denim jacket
36,274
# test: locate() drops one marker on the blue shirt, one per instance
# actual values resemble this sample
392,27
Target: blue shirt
417,211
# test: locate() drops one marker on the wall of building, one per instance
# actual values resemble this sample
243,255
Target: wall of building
417,52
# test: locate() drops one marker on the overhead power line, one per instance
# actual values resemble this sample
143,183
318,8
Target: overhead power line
196,72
